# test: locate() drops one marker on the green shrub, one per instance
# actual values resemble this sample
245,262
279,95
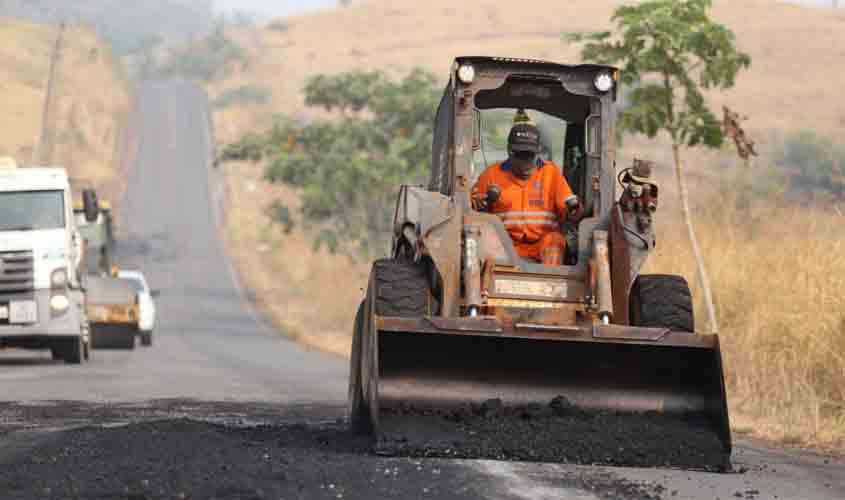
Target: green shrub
250,147
244,95
347,170
814,163
207,60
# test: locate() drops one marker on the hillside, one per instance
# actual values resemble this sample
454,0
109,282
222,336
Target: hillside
784,382
91,101
125,25
796,50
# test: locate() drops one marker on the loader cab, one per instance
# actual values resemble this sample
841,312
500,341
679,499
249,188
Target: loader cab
574,108
572,105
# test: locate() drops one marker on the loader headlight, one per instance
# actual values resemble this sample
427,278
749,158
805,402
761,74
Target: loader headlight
59,278
59,303
466,73
603,81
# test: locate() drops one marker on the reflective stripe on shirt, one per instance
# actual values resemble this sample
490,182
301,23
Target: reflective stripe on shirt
505,215
544,222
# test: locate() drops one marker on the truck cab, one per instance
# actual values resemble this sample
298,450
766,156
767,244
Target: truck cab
42,298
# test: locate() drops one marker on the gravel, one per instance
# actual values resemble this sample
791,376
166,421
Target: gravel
188,459
556,432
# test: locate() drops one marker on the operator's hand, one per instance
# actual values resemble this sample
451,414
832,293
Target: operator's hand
576,215
478,200
574,210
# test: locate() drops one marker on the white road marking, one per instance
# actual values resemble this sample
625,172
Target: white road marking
517,481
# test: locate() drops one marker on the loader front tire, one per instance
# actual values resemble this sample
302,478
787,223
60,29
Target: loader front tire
359,410
399,288
402,289
662,301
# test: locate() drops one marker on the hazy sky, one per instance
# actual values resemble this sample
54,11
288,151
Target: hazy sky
274,7
284,7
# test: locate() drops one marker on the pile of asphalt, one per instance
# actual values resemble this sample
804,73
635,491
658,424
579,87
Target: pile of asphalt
185,459
556,432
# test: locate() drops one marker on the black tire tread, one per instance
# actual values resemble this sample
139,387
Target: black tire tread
402,289
662,301
359,411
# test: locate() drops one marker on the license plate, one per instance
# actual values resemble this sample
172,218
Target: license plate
23,311
4,312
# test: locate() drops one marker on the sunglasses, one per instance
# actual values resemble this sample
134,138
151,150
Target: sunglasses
524,155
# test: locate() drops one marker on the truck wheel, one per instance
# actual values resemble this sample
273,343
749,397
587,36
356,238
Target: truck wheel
147,338
56,352
71,350
662,301
402,289
127,340
359,411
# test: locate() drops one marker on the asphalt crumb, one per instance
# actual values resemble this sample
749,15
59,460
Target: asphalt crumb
189,459
556,432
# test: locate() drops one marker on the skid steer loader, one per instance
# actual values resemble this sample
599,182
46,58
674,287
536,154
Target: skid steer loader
456,320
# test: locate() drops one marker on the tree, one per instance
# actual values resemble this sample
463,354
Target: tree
347,168
814,163
670,51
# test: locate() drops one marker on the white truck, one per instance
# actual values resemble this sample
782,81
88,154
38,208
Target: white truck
42,297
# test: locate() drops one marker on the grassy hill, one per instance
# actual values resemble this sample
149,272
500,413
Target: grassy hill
123,24
91,101
785,381
796,50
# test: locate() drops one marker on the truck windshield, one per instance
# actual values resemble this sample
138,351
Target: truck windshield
31,210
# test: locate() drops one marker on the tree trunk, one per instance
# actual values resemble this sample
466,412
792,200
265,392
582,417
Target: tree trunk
699,261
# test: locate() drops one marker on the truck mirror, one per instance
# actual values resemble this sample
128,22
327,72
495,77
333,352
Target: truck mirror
90,205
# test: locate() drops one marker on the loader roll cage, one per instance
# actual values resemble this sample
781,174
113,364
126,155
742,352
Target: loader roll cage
566,92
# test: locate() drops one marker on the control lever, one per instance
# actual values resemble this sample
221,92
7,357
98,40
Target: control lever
494,192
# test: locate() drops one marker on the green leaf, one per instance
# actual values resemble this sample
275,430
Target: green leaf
669,51
347,167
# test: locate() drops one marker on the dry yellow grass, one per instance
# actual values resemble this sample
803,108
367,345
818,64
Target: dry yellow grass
309,296
777,274
91,102
24,50
777,280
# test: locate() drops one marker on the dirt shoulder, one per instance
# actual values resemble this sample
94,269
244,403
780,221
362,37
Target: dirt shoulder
310,297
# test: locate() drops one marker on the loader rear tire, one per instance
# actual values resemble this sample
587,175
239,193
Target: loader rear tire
359,410
402,289
662,301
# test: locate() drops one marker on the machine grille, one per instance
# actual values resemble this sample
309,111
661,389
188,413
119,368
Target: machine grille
17,272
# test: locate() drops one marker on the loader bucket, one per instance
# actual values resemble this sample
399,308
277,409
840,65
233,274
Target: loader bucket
474,388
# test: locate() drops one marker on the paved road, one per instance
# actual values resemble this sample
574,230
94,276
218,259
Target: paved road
208,345
224,407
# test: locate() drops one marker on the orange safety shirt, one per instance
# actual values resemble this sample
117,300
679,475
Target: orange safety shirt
530,208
